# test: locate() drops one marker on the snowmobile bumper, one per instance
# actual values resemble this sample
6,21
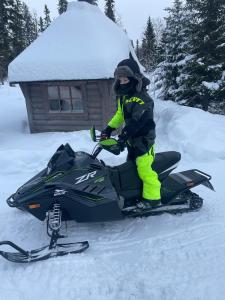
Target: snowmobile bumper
207,182
11,201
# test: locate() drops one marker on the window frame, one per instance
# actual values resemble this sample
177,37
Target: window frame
80,114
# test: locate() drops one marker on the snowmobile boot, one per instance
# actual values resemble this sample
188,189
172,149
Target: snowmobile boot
144,203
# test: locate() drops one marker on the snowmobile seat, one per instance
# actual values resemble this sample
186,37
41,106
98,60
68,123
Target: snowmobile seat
125,177
165,162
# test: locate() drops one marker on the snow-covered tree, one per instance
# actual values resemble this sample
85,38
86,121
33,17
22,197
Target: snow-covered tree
62,6
47,19
110,9
41,27
175,45
149,47
4,39
29,26
16,28
204,83
137,49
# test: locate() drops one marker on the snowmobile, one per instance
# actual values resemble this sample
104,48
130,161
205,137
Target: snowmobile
78,186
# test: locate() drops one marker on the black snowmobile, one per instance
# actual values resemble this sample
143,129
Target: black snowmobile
77,186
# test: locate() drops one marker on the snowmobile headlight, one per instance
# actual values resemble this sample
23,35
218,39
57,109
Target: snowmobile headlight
32,206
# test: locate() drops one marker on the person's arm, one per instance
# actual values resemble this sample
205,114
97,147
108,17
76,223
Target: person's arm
118,119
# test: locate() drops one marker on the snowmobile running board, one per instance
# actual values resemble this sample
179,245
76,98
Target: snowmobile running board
23,256
189,202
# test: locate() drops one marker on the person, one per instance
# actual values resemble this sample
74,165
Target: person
135,109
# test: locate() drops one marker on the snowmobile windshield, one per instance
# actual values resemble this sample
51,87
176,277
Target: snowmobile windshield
62,160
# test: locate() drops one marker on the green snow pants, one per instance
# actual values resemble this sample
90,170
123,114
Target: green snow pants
151,183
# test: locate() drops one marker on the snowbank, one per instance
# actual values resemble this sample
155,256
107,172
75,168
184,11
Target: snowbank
190,130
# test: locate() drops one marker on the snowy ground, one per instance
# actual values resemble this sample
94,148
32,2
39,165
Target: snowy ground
164,257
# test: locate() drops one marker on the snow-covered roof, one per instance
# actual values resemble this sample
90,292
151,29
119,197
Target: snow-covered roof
81,43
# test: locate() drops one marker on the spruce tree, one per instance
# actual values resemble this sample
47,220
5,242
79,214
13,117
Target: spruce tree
62,6
137,49
29,26
149,47
41,27
35,24
204,80
4,39
110,10
16,28
47,19
173,49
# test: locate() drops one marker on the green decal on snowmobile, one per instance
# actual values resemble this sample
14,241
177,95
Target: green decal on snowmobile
108,142
110,145
99,180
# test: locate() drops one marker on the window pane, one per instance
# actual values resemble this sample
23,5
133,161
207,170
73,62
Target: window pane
76,92
55,105
53,92
64,92
77,105
65,105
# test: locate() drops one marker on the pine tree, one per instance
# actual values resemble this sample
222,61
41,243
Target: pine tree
204,81
41,27
35,22
148,47
16,28
47,19
29,26
110,10
137,50
4,39
173,49
62,6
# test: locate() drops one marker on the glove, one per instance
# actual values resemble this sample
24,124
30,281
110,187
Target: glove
106,133
122,142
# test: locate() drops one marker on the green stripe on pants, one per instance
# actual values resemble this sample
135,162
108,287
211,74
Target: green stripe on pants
151,183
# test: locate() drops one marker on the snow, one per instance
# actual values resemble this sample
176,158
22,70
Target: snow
82,43
213,86
163,257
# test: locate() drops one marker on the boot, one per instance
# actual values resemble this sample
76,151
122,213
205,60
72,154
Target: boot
145,203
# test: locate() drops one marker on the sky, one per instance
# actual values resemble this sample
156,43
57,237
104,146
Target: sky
133,13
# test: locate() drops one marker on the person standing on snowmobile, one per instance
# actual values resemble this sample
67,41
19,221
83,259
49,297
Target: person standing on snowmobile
135,109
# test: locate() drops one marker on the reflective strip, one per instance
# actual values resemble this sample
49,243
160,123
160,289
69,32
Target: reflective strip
135,99
179,175
170,168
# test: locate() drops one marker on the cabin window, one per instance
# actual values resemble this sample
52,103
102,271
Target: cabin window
63,99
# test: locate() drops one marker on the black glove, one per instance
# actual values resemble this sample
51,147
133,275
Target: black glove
122,141
106,133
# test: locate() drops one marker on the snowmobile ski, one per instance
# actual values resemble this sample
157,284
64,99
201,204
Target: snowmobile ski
43,253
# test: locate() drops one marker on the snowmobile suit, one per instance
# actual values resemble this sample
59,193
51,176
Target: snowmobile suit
136,112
